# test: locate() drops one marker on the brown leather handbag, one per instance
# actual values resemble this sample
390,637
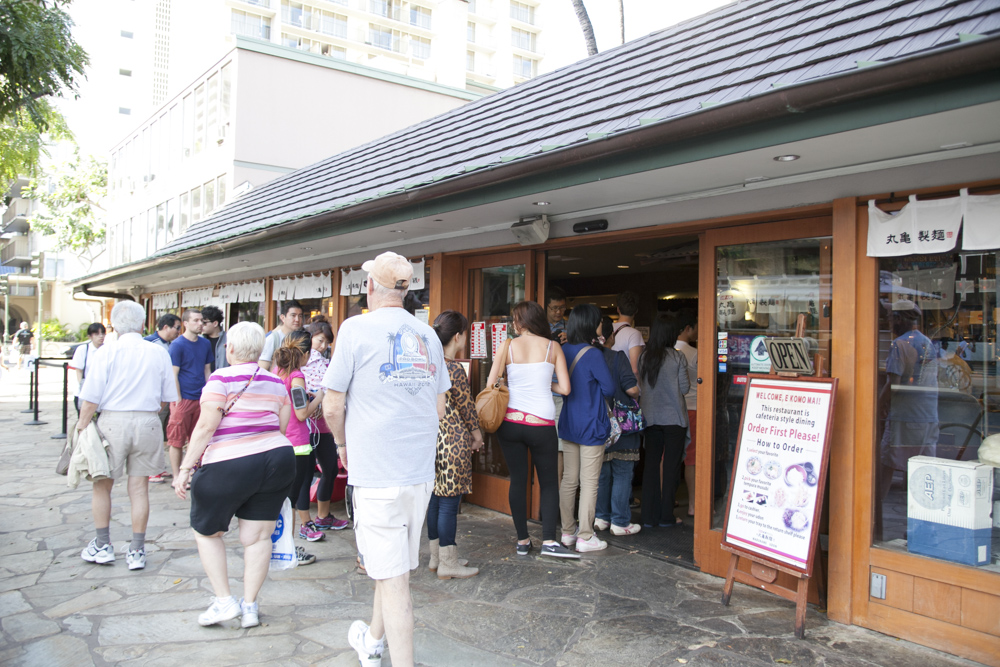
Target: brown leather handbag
491,403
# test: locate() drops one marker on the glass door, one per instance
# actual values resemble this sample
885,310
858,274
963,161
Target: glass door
755,282
494,284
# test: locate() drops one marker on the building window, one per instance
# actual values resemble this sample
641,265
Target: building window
391,9
420,48
522,12
522,39
470,61
196,205
472,6
333,24
55,268
250,25
127,34
937,370
420,16
470,31
296,14
184,214
524,67
125,111
199,118
220,190
382,38
209,198
125,72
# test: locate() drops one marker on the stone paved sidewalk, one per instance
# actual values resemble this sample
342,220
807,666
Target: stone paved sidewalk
610,608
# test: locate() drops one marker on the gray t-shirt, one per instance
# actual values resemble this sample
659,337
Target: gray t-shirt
392,368
271,344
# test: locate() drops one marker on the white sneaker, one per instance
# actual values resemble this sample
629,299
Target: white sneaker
569,540
221,610
101,556
630,529
601,524
251,614
593,544
356,638
136,559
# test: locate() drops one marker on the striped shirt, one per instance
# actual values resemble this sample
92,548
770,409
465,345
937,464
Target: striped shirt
252,425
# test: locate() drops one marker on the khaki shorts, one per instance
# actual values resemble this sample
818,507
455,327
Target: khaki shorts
135,443
387,525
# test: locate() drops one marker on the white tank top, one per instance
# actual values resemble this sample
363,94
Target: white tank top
530,386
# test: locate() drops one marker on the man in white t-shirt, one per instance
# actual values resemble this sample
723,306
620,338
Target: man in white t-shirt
386,393
82,356
291,320
687,324
627,339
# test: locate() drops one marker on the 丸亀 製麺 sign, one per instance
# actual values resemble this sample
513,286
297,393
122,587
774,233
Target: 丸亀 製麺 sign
788,355
776,492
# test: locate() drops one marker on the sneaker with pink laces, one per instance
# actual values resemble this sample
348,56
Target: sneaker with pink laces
308,532
330,523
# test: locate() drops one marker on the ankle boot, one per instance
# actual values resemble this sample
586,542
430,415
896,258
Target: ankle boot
450,568
433,565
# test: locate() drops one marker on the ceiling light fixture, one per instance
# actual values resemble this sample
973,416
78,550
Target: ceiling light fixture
787,158
623,266
542,203
574,273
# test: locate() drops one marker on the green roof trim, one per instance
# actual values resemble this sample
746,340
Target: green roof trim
868,63
593,136
551,147
649,121
705,105
969,37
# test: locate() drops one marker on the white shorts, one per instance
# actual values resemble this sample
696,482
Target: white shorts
387,526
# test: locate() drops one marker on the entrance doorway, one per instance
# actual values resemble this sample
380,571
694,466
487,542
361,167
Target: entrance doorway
662,274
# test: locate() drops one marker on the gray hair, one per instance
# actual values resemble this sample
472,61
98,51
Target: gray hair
245,341
383,294
128,317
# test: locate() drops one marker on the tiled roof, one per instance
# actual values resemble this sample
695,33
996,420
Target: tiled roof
735,52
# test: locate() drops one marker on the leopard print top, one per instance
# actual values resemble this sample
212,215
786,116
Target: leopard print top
453,464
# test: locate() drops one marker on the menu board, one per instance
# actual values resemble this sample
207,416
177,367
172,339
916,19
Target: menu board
498,334
477,340
776,492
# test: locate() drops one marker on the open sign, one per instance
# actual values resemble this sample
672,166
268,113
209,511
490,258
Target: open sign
789,355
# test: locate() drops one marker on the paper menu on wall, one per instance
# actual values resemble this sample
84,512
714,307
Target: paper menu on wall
498,334
477,341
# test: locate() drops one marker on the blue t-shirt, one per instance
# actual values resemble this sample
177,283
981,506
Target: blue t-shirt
584,417
191,358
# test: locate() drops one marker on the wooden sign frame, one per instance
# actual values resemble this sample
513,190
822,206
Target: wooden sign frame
764,570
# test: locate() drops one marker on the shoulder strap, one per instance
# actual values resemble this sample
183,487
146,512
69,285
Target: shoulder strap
577,358
503,367
86,353
547,350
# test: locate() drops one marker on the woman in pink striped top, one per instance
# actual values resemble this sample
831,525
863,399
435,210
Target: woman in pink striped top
247,470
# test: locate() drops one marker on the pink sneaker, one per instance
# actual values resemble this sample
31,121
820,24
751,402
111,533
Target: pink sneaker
330,523
308,532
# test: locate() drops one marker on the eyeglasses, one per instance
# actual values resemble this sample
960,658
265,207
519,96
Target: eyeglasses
178,327
557,309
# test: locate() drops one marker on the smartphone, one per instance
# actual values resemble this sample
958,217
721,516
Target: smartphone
299,398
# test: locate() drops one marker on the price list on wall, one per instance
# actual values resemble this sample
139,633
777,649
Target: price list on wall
477,340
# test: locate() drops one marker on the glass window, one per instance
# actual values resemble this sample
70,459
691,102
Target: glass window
333,24
420,47
761,288
522,39
212,113
522,12
161,226
388,8
938,398
187,130
225,93
524,67
470,61
169,211
470,31
208,198
196,205
420,16
199,118
296,14
220,190
380,37
184,213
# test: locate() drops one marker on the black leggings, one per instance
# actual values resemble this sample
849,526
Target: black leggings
326,455
516,441
305,464
666,442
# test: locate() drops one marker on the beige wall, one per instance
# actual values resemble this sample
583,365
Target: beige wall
292,114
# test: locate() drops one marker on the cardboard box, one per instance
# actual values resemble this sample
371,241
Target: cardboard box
949,509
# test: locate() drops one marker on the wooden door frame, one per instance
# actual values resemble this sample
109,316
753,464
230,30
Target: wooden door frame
488,490
707,552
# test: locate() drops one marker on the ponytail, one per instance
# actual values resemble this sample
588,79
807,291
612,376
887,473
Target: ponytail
290,356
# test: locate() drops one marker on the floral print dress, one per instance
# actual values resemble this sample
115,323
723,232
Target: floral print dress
453,464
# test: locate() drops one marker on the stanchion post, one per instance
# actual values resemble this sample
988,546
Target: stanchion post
31,388
35,421
65,415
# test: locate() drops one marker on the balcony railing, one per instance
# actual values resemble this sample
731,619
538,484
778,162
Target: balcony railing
17,252
266,4
15,218
241,26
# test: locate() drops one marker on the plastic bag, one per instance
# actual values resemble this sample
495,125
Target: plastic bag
282,543
989,451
